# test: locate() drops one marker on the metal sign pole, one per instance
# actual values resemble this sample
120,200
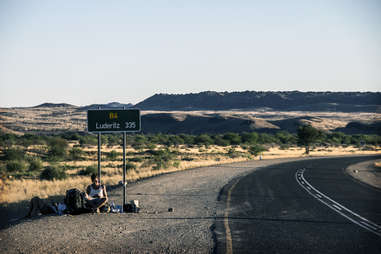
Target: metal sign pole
124,169
99,157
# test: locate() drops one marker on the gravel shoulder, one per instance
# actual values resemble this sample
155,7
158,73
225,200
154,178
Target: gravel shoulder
192,194
366,172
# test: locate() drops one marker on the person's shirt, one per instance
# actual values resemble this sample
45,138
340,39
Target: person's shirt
95,192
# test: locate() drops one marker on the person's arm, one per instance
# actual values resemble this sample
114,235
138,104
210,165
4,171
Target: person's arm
105,192
87,193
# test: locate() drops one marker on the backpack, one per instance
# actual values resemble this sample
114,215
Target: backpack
75,201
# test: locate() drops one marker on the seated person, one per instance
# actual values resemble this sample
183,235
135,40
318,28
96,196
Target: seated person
96,195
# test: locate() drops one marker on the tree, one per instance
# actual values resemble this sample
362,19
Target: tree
256,150
53,172
307,135
249,137
203,139
233,138
57,147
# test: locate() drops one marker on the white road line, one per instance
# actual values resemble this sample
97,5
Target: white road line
318,196
359,220
337,207
366,224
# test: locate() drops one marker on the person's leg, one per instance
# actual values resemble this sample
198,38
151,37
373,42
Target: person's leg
35,204
101,202
31,208
97,203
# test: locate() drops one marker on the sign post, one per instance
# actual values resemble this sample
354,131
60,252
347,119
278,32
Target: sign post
110,121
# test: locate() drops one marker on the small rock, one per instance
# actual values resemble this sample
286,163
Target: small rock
355,171
170,209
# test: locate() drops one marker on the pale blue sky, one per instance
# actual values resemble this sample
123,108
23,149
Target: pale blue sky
84,52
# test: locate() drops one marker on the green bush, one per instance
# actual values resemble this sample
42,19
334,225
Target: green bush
249,137
89,170
35,164
16,165
13,154
113,155
130,166
232,153
233,138
88,140
218,140
256,150
204,139
136,159
76,154
53,172
57,148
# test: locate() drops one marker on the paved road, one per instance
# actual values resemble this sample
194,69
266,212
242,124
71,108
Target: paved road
278,210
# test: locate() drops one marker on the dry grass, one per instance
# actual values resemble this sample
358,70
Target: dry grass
24,189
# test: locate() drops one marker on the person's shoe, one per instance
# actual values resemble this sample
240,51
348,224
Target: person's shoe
98,210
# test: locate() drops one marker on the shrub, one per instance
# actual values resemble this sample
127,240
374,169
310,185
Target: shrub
16,165
250,138
13,154
53,172
113,155
218,140
57,147
136,159
88,140
232,153
35,164
89,170
150,146
203,139
176,164
233,138
76,154
130,166
256,150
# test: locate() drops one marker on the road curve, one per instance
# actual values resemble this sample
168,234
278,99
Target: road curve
309,206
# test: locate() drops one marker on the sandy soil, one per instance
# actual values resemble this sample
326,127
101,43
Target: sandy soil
366,172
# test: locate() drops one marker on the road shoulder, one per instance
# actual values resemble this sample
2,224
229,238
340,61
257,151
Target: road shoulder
366,172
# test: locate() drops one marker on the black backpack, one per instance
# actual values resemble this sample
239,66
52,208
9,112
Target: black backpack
75,201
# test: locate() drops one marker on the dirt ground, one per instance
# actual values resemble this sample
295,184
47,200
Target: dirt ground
366,172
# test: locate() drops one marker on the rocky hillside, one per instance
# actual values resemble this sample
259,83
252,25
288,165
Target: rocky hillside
282,101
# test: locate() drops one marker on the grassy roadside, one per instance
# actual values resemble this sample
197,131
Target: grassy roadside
144,163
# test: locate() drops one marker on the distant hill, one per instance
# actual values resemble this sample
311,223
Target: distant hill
108,105
53,105
249,100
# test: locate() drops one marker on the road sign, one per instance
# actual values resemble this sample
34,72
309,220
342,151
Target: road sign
113,120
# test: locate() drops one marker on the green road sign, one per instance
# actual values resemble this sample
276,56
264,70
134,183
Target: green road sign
108,120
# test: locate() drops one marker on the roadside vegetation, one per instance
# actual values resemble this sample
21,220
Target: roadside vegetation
47,165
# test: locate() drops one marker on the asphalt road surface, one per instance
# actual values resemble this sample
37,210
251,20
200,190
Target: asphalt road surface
309,206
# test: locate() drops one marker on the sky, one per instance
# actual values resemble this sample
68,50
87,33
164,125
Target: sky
85,52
